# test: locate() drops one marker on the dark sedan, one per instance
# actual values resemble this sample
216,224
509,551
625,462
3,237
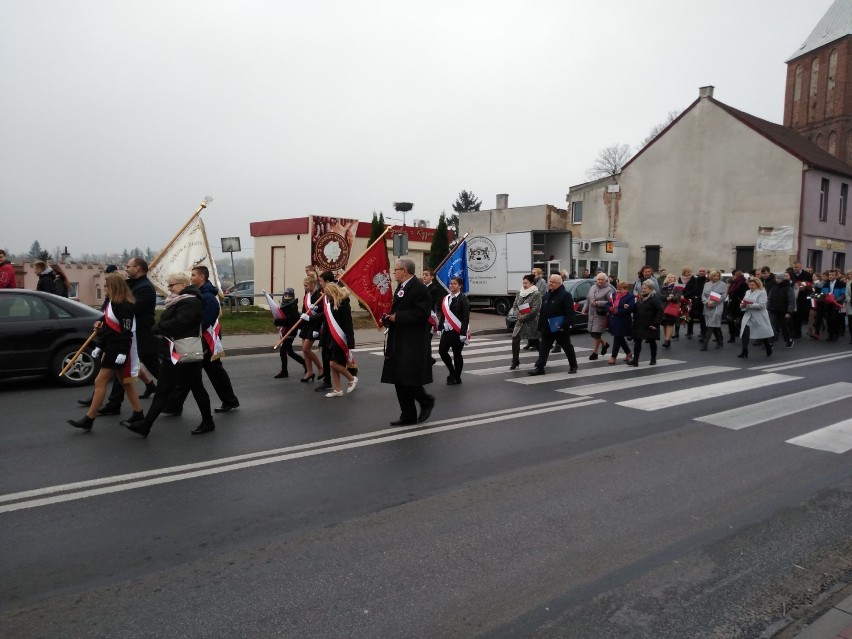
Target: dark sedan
40,332
579,289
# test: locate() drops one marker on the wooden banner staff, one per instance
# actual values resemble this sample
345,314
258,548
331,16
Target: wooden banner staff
77,354
372,244
207,199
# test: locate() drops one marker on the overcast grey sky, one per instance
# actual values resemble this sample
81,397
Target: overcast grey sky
119,116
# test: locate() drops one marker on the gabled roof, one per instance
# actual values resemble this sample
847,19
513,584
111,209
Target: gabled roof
835,24
786,138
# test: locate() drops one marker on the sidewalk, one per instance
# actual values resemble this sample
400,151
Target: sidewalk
481,323
835,623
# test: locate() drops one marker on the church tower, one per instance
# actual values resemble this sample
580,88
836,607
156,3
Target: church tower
818,98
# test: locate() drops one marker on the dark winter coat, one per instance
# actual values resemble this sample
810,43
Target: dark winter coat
45,281
621,314
210,302
290,309
782,298
307,329
146,302
112,342
408,354
436,294
181,319
460,307
554,304
695,291
647,317
59,287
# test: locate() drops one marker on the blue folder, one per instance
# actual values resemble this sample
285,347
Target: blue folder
555,323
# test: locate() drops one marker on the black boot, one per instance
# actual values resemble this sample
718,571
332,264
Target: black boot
85,423
768,345
281,375
150,389
743,353
514,365
136,418
204,427
140,428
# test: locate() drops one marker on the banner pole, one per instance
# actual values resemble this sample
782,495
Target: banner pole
293,328
77,354
200,208
447,256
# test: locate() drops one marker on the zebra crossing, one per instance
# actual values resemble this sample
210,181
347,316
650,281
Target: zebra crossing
739,382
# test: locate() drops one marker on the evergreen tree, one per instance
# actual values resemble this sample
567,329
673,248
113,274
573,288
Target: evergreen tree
44,256
466,201
35,251
376,228
440,247
125,256
149,255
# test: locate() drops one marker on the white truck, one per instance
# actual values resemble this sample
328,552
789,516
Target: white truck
497,262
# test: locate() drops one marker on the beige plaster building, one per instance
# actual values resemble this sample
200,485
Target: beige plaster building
699,192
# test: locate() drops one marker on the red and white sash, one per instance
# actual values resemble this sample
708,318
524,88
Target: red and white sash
307,304
450,317
131,364
335,330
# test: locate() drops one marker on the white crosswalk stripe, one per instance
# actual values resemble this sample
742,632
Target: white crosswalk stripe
646,380
753,414
709,391
806,361
601,368
836,438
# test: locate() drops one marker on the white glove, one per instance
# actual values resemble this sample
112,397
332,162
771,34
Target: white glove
305,317
96,352
463,339
316,334
314,308
120,359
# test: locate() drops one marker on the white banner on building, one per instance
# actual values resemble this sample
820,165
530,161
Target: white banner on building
774,238
188,249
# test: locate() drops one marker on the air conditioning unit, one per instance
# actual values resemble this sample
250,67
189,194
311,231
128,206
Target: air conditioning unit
421,223
585,247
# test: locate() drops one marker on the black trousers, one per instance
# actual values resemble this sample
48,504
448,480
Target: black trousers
563,338
407,396
287,351
450,340
217,375
637,348
177,376
780,323
619,343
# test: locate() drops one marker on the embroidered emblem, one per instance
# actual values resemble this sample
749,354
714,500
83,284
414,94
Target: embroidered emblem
382,282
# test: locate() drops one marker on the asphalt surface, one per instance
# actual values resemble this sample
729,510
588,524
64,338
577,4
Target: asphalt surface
518,510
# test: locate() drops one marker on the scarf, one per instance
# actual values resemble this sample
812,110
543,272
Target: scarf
174,298
526,292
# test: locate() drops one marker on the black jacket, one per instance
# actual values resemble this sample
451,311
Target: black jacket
460,307
782,298
290,309
554,304
408,354
648,314
114,342
179,320
45,282
436,294
146,302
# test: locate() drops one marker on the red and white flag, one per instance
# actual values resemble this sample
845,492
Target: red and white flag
213,338
276,312
715,297
369,280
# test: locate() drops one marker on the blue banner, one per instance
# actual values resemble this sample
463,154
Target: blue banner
455,266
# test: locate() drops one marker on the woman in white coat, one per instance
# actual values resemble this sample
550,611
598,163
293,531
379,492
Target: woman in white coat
755,320
713,297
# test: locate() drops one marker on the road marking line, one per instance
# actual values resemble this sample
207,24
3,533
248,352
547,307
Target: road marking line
476,340
599,368
212,467
753,414
836,438
676,398
622,384
805,361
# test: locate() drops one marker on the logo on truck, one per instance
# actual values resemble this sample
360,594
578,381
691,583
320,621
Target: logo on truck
481,254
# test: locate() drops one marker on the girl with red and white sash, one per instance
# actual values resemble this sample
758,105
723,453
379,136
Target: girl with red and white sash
116,350
338,318
309,331
453,319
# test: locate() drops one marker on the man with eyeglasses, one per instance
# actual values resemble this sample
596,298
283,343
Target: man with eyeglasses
408,351
143,309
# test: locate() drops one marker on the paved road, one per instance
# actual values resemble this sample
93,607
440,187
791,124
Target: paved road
703,497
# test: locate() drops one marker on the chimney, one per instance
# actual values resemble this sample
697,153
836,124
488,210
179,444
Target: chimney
502,200
705,92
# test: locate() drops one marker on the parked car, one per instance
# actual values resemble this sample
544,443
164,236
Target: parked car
579,289
39,334
241,293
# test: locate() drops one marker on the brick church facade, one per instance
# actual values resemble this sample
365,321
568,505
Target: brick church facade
818,96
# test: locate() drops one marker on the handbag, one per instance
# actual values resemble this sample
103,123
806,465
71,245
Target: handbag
601,310
190,349
672,309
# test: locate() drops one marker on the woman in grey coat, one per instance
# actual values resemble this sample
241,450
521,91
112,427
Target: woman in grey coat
526,308
755,321
713,297
597,305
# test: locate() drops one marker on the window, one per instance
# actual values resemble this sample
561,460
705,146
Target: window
73,289
745,258
98,294
652,257
823,200
844,192
815,260
576,212
838,261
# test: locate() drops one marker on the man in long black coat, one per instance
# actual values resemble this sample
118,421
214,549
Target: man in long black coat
557,305
408,357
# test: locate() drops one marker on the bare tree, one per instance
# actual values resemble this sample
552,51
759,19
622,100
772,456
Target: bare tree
610,161
657,129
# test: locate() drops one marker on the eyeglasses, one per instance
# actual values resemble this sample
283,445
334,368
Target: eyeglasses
170,285
398,269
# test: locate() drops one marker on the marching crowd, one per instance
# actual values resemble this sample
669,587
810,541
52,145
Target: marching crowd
760,308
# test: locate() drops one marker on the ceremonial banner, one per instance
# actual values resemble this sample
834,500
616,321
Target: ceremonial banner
189,248
369,280
774,238
276,312
331,242
213,338
455,266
